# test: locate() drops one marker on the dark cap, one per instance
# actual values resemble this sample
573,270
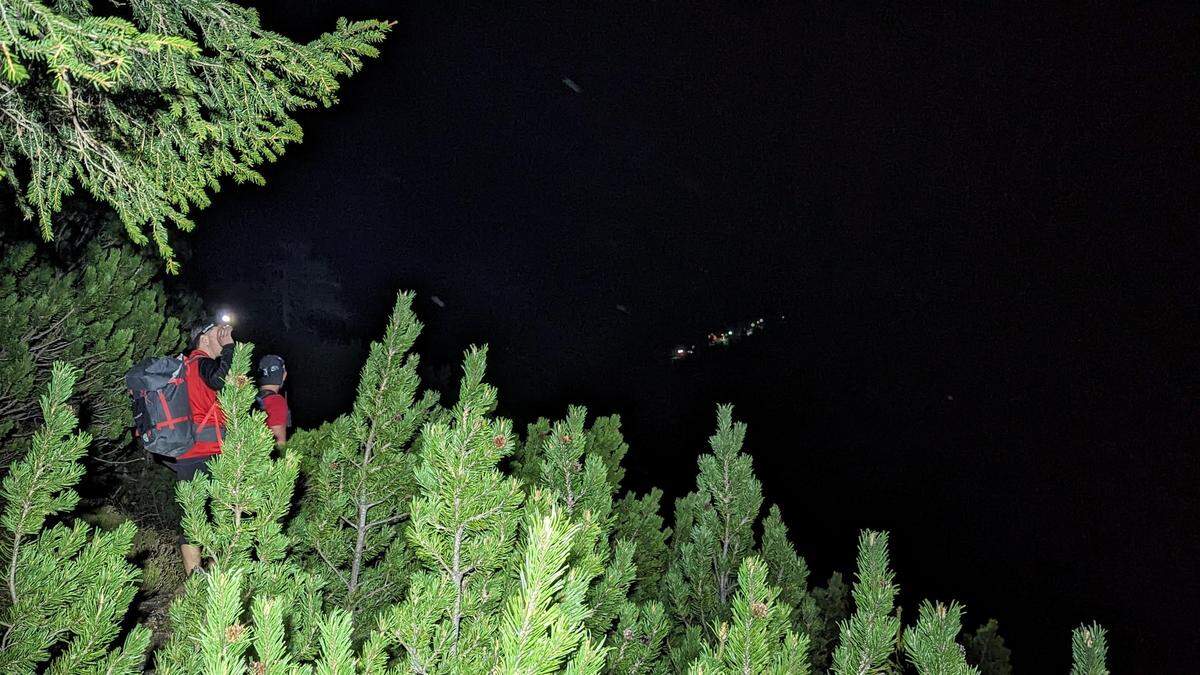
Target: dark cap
271,369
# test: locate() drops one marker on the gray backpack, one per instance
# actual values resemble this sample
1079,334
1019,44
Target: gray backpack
162,415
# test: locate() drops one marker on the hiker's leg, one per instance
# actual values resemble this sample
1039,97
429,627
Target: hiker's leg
191,557
186,469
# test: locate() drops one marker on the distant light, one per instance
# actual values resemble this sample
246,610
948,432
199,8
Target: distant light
678,351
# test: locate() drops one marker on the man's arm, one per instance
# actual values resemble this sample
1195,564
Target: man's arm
213,371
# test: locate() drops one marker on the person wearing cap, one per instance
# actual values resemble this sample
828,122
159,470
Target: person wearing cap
272,372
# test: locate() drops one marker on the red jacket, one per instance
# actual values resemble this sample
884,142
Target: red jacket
205,377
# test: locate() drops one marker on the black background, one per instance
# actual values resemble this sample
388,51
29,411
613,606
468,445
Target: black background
980,224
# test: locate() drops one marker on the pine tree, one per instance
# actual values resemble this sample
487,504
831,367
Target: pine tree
360,479
148,105
227,642
868,637
1089,650
100,315
579,466
637,519
820,617
759,639
931,644
713,529
714,532
788,571
498,575
463,528
67,587
986,650
543,624
639,644
235,516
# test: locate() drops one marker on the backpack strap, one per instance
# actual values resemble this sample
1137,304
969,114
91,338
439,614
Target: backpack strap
260,400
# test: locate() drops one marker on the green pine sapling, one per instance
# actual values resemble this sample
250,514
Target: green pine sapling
463,529
638,519
758,638
543,623
713,533
639,642
360,479
235,516
578,465
713,529
1089,650
100,316
228,642
67,588
931,645
868,637
986,650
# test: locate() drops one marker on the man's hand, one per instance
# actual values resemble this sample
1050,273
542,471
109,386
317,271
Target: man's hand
224,335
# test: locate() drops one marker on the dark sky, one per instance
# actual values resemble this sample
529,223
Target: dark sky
974,221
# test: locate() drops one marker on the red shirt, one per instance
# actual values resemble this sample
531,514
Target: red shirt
206,414
276,407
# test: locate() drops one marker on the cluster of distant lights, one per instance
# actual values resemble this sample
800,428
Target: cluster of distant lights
723,338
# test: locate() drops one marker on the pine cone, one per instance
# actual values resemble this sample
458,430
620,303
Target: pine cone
234,632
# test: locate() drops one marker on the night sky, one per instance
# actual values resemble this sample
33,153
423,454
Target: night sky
974,222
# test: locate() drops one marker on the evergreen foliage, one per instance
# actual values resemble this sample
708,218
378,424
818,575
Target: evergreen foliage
714,533
868,637
638,520
930,645
1089,650
829,606
228,642
640,641
474,570
235,517
67,588
543,623
986,650
361,482
148,105
577,466
759,639
713,529
100,315
463,528
788,571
